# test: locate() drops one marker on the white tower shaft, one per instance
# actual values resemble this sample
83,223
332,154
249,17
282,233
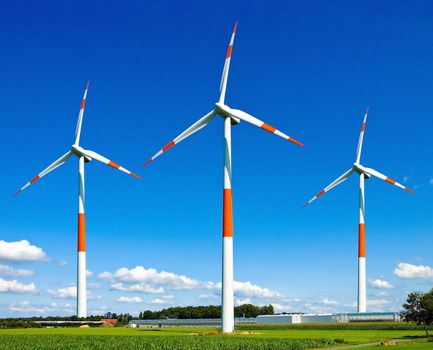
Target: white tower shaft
81,271
362,278
227,303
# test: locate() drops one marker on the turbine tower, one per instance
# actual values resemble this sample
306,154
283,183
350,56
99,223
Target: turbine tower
363,173
84,156
230,117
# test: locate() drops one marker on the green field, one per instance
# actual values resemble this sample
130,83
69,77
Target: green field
266,338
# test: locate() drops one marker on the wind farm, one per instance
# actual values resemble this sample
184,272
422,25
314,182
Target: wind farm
165,260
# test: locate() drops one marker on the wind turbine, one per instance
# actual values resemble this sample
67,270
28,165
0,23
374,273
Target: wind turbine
363,172
84,156
231,117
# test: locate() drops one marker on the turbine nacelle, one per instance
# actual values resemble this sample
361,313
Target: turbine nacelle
225,111
360,169
80,152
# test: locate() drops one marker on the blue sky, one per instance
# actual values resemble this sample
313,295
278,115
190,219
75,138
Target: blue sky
309,69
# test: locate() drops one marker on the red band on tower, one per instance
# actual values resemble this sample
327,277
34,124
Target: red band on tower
81,232
361,241
227,213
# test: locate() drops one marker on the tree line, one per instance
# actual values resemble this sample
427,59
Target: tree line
211,311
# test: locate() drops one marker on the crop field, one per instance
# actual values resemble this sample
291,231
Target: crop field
257,338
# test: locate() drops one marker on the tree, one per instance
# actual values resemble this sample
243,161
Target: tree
419,309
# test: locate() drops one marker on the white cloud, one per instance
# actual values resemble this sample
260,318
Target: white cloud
64,293
105,276
431,181
243,301
164,300
406,178
327,301
404,270
247,289
208,297
151,281
70,292
27,308
10,271
16,287
250,290
89,273
62,263
20,251
138,287
123,299
381,284
377,302
318,307
280,307
151,277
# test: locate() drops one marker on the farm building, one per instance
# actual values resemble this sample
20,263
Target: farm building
294,318
301,318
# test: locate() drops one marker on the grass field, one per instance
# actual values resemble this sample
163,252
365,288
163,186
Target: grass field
267,338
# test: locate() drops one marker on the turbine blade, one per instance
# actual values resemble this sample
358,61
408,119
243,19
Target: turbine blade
107,161
333,184
257,122
225,75
80,116
375,173
361,137
44,172
201,123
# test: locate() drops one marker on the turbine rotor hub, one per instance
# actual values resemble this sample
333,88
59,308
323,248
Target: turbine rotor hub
224,111
79,152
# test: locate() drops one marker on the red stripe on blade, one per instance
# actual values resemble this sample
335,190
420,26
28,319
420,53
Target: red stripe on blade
83,104
322,192
168,146
136,176
391,181
229,51
267,127
114,165
296,141
147,162
34,179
